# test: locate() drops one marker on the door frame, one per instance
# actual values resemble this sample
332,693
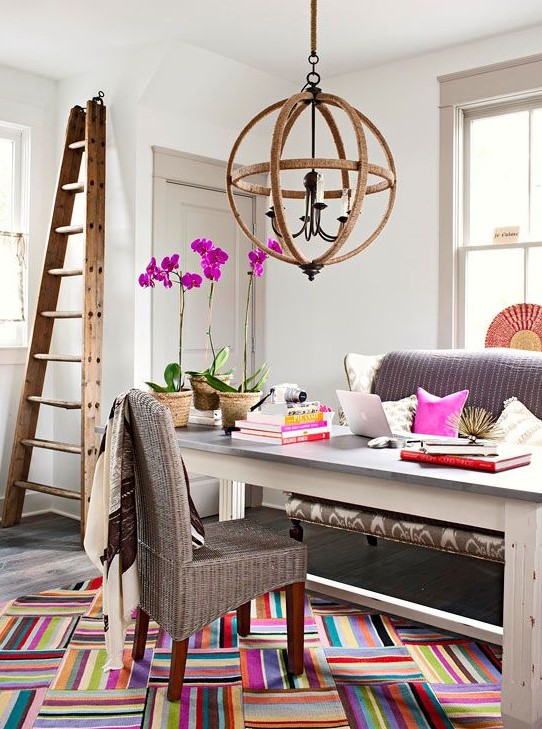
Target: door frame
183,168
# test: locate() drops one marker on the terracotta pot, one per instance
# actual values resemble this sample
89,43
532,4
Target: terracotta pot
205,396
178,404
235,406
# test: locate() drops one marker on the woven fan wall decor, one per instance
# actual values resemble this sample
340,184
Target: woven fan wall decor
517,327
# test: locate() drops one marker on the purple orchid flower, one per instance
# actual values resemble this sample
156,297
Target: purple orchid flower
201,245
145,280
274,245
256,260
191,281
169,263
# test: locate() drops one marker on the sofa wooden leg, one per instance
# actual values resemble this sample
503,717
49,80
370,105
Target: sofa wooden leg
296,530
179,650
140,635
243,619
295,612
373,541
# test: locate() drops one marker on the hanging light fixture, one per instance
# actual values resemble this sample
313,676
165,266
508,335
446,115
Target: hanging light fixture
314,223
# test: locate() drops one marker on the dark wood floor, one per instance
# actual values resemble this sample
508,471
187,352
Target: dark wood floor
45,552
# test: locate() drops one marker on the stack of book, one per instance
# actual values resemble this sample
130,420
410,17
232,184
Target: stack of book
284,424
205,417
482,456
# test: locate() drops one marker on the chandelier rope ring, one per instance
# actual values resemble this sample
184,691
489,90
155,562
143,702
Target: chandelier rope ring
314,223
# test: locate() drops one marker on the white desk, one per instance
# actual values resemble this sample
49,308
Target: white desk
344,469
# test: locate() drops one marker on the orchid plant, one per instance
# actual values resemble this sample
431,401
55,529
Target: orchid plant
212,260
168,273
255,381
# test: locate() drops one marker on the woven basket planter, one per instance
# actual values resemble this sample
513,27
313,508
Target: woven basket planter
206,397
235,406
178,404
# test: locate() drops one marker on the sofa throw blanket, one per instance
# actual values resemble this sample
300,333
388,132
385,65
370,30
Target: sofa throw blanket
111,534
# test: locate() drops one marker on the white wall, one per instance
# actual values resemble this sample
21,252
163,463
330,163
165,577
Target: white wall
28,99
385,298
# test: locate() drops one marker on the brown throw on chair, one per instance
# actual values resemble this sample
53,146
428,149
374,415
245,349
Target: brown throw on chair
183,589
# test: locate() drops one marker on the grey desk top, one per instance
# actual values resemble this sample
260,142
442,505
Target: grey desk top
348,453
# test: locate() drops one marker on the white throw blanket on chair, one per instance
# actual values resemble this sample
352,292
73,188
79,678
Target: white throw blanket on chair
111,533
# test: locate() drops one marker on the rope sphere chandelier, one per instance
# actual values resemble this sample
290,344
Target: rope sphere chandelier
311,99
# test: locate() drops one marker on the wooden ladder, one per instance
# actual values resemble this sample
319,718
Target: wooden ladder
85,133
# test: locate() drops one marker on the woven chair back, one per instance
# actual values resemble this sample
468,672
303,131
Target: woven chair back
162,506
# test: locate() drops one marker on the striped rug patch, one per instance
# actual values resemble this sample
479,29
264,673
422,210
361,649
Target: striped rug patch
273,605
28,669
356,631
19,709
268,669
199,708
294,709
470,706
372,665
205,668
412,633
393,706
33,633
55,602
273,633
84,670
457,663
89,634
92,709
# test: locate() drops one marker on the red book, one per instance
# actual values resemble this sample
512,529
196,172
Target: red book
237,434
493,464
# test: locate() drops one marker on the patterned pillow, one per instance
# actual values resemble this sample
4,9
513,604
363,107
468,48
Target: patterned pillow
518,425
400,413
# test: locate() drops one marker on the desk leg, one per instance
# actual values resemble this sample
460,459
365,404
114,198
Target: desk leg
522,623
231,503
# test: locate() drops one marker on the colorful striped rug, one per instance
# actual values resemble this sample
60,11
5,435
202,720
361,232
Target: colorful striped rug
363,670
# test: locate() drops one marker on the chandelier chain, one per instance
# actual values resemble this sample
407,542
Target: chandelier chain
314,46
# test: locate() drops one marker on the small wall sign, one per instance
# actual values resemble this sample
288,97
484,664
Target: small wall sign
508,234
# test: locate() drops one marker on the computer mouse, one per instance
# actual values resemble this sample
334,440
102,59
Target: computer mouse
381,442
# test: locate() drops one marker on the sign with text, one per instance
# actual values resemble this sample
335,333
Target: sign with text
508,234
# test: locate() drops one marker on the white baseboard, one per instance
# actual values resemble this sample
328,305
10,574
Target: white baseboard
271,505
65,513
34,504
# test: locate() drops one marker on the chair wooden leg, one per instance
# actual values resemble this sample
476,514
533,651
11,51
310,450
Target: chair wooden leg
295,606
296,530
140,636
243,619
179,650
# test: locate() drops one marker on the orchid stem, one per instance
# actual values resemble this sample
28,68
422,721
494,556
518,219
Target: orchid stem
209,319
249,290
181,381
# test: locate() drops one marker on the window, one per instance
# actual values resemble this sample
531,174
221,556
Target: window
501,188
14,183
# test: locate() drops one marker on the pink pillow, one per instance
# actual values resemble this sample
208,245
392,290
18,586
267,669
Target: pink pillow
433,413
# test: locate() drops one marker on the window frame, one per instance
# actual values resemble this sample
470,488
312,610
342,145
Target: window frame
462,248
502,84
14,334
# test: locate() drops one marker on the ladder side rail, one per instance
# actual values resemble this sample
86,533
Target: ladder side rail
93,282
42,328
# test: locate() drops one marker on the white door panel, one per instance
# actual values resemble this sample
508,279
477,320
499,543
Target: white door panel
182,213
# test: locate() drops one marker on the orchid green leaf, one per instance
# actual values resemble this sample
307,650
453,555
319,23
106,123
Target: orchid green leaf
155,387
219,385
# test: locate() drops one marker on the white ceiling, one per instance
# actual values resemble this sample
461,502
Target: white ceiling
58,38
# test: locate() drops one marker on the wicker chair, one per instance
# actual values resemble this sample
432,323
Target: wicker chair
185,590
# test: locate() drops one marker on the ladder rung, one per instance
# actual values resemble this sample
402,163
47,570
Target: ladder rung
65,271
78,145
51,445
51,490
59,357
74,187
62,314
66,404
69,229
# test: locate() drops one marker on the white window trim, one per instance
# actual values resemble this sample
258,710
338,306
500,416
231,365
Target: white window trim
14,335
511,82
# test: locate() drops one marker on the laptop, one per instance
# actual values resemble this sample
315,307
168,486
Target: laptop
366,417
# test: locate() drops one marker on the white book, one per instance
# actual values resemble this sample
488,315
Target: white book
461,449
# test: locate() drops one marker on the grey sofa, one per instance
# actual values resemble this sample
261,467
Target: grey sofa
491,375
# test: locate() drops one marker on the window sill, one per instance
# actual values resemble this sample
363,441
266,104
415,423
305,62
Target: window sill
13,355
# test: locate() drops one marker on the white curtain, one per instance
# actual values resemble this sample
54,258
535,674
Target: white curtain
13,272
